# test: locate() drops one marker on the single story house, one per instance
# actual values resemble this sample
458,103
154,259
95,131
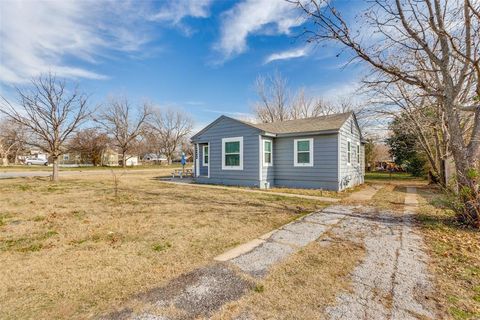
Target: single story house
321,153
154,158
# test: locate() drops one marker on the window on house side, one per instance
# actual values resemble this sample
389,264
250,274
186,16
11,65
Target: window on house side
232,157
205,155
303,156
358,153
267,152
349,152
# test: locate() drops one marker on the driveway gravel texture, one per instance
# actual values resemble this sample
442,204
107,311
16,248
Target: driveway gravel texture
392,282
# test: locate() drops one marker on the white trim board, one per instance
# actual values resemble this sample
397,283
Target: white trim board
203,155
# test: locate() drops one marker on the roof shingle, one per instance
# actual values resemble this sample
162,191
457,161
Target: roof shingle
323,123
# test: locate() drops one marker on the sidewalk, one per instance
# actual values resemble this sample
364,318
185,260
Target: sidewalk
365,194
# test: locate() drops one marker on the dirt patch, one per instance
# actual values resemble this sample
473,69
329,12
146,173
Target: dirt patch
195,294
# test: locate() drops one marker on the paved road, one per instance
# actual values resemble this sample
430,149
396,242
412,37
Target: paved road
25,174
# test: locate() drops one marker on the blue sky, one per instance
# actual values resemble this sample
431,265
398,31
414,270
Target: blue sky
199,55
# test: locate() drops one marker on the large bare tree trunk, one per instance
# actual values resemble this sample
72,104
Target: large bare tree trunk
55,173
468,186
124,159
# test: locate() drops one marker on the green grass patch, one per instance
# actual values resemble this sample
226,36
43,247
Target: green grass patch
461,314
259,288
38,218
24,187
161,246
390,176
3,218
27,244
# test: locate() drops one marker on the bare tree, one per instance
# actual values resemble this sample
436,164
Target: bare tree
421,116
91,144
51,112
276,102
445,44
172,126
273,94
124,123
12,140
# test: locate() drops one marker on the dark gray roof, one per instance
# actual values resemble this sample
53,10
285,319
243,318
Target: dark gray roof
331,122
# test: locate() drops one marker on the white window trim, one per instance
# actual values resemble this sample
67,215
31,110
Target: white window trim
203,155
265,164
197,160
349,163
357,151
234,139
295,154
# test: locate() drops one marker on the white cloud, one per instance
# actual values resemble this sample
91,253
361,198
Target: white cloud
335,91
43,36
175,11
255,17
288,54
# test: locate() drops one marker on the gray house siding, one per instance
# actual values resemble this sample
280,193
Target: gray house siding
323,174
229,128
350,174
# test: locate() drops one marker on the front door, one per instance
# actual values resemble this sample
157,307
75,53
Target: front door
204,159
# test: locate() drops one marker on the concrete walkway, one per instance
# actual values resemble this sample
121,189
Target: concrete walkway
188,182
392,281
365,194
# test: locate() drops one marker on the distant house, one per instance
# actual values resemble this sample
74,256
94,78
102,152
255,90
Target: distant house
110,158
131,161
322,153
154,158
72,158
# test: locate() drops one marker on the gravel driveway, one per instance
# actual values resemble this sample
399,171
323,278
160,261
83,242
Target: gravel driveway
392,281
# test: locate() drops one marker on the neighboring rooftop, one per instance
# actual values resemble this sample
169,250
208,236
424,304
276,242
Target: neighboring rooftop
331,122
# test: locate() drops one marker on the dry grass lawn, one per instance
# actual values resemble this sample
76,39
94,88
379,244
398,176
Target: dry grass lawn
455,256
316,192
73,250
